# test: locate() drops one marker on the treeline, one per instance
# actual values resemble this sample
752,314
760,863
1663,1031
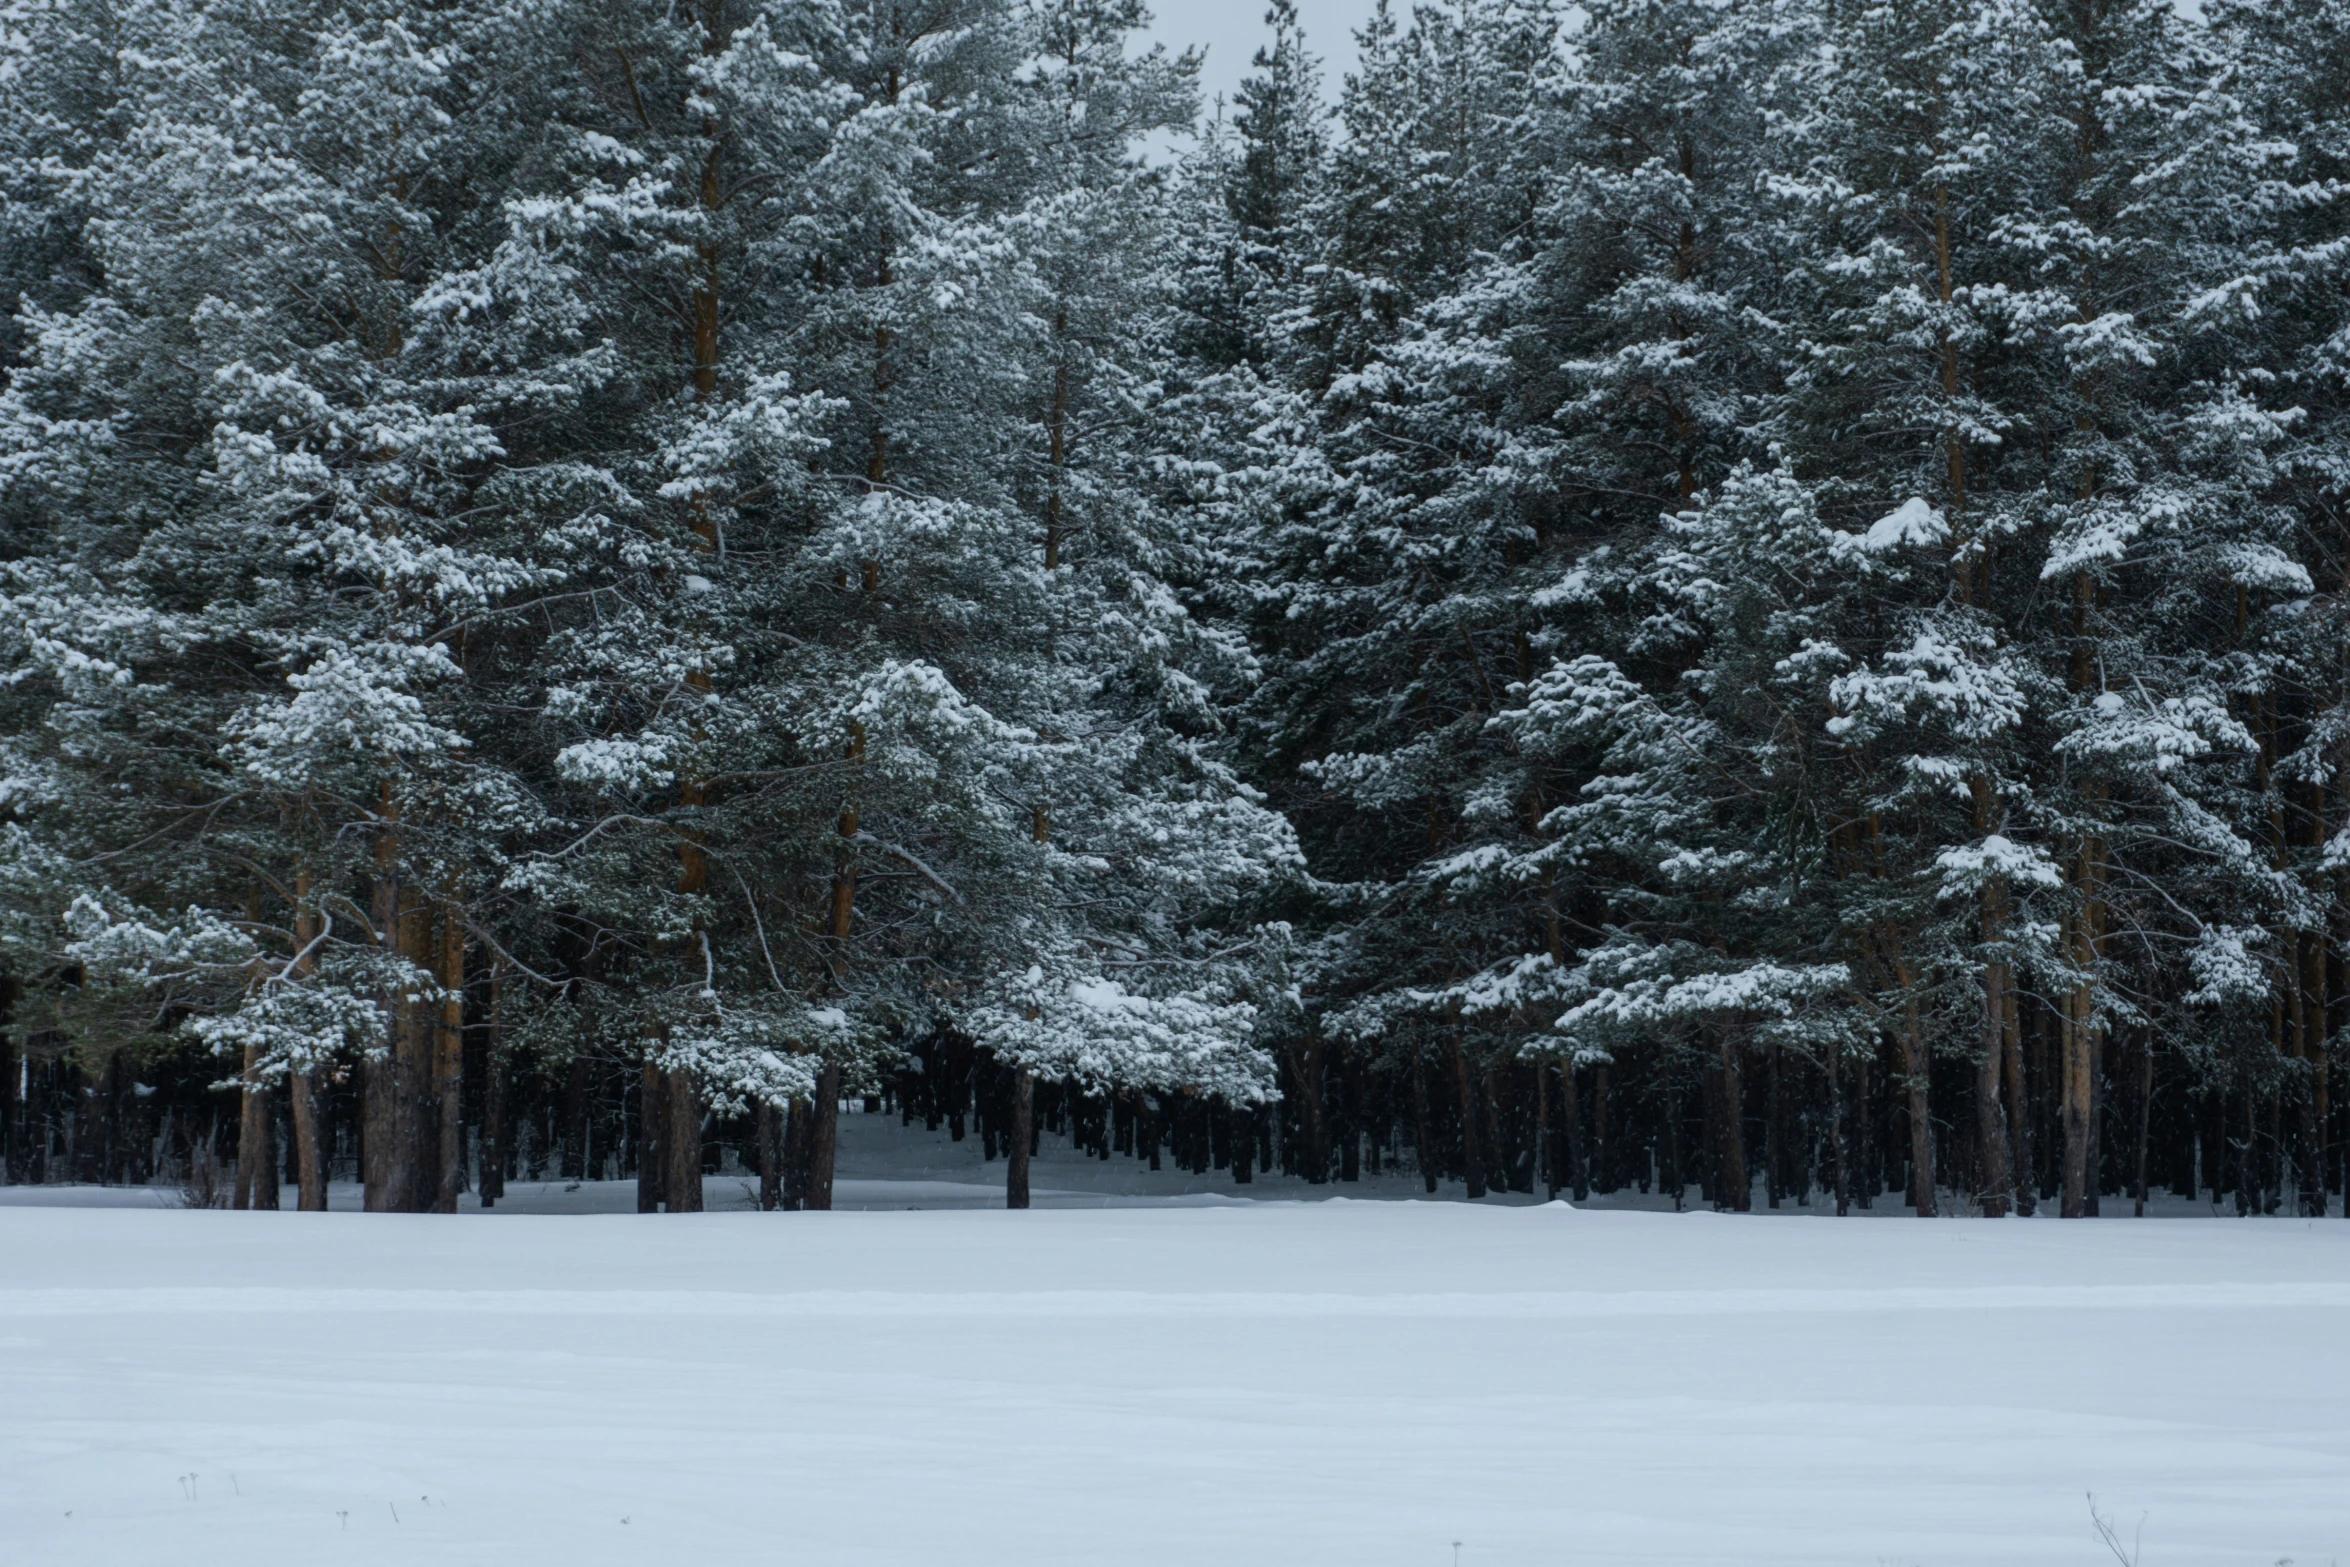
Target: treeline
1741,596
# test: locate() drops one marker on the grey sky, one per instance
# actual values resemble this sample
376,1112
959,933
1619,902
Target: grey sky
1233,30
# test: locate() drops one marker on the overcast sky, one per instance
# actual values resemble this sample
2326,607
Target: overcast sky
1233,30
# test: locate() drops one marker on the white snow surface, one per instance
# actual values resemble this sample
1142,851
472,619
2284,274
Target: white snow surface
1270,1382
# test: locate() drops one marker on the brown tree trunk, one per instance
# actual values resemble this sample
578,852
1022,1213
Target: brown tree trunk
2024,1172
2077,1045
1917,1068
1997,1180
681,1182
252,1134
418,1129
1022,1138
302,1086
449,1062
385,1140
309,1161
493,1092
823,1136
265,1188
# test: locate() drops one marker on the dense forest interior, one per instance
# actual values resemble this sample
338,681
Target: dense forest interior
1746,600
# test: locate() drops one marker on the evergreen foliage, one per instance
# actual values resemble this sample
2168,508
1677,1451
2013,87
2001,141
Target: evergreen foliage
1665,588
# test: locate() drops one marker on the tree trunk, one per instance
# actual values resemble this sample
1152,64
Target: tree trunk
265,1189
1843,1173
302,1085
795,1155
1497,1170
387,1139
1736,1180
1472,1166
1578,1179
1426,1146
681,1182
2024,1172
2311,1160
1545,1144
449,1062
770,1135
493,1092
309,1162
1022,1138
1312,1124
2077,1044
1917,1067
2145,1118
252,1135
823,1136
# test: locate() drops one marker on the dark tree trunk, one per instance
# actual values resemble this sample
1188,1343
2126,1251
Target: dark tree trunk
1736,1180
1843,1172
449,1064
1996,1183
253,1162
652,1119
770,1135
823,1136
796,1123
2024,1172
1578,1181
1426,1147
1472,1165
1312,1120
682,1144
1917,1070
493,1093
1491,1138
309,1157
1545,1144
2144,1061
1023,1133
574,1113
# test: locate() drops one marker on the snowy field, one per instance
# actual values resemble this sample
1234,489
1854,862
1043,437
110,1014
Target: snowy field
1272,1383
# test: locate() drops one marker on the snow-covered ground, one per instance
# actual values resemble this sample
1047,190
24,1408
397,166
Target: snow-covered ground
1276,1382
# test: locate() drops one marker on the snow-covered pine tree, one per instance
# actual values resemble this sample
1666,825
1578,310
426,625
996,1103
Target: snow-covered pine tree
1396,521
1651,282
